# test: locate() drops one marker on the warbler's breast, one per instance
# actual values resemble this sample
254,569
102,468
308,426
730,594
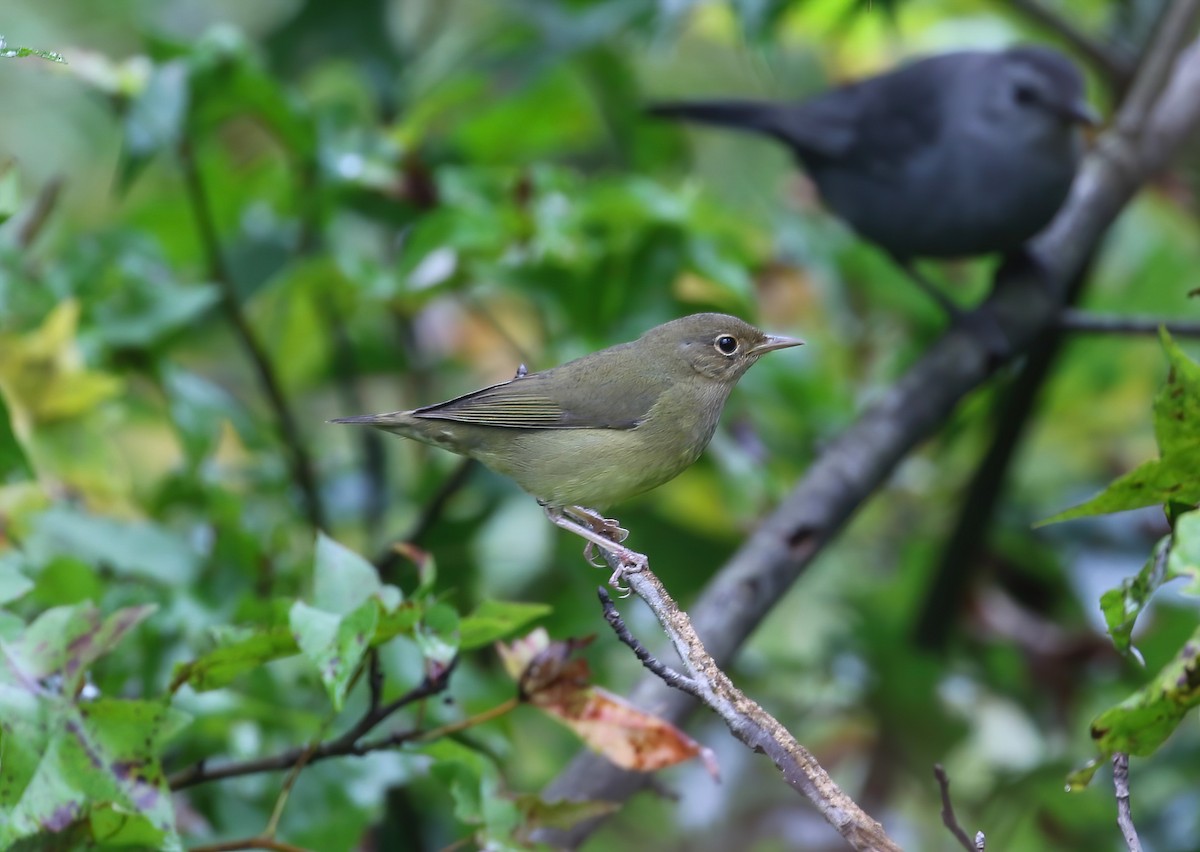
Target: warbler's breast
598,468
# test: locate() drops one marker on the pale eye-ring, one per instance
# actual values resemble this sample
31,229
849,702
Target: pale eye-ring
726,344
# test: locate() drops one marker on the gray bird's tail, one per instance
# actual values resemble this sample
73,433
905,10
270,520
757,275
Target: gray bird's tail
777,120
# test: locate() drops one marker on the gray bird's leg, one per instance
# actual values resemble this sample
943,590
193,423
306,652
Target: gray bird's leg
602,533
983,324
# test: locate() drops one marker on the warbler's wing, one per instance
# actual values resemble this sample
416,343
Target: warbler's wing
571,400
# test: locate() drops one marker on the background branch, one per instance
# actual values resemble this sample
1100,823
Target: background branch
348,743
1092,323
1116,69
303,471
948,818
861,459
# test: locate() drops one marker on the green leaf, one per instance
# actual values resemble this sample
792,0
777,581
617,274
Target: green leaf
1142,722
10,191
199,408
97,762
154,121
342,579
7,52
13,464
537,813
335,643
128,548
475,785
13,583
72,765
65,641
1122,606
437,634
1175,475
494,620
1175,557
249,650
1184,559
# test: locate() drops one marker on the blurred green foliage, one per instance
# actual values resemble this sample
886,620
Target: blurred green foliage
402,201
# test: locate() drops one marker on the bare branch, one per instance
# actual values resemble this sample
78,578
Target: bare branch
303,472
1124,815
949,819
668,675
1092,323
749,722
33,218
1117,70
260,842
901,417
347,744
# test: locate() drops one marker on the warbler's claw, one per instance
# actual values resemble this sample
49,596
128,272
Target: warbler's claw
589,556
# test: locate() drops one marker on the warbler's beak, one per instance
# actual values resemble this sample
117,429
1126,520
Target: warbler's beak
1080,112
774,341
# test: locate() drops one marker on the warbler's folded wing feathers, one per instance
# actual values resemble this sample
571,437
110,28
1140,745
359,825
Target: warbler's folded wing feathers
527,403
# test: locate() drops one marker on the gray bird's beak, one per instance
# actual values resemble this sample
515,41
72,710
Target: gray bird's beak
1080,112
773,342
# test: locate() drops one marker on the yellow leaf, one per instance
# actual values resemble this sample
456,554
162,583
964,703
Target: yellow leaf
43,376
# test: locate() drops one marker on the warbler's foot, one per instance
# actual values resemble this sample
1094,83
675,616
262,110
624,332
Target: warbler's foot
628,562
603,533
608,527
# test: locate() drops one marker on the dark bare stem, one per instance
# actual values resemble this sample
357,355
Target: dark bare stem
269,843
34,218
1116,69
302,467
655,665
1091,323
1124,814
948,818
387,561
349,743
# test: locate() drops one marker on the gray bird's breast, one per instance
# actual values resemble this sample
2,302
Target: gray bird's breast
977,196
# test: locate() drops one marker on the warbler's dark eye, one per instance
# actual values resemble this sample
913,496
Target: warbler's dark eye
1024,95
726,345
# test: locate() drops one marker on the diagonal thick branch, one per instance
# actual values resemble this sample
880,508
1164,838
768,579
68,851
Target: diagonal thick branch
1025,304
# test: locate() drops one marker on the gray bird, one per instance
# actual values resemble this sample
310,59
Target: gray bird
956,155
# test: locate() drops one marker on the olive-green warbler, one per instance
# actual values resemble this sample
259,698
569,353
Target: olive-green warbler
602,428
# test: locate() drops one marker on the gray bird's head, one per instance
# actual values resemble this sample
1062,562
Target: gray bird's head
1036,95
717,346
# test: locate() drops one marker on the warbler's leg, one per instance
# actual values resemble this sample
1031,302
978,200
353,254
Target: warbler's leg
628,561
608,527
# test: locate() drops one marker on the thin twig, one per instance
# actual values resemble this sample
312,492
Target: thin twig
948,818
668,674
750,723
348,743
302,467
1120,763
431,512
1116,69
33,218
1092,323
260,842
